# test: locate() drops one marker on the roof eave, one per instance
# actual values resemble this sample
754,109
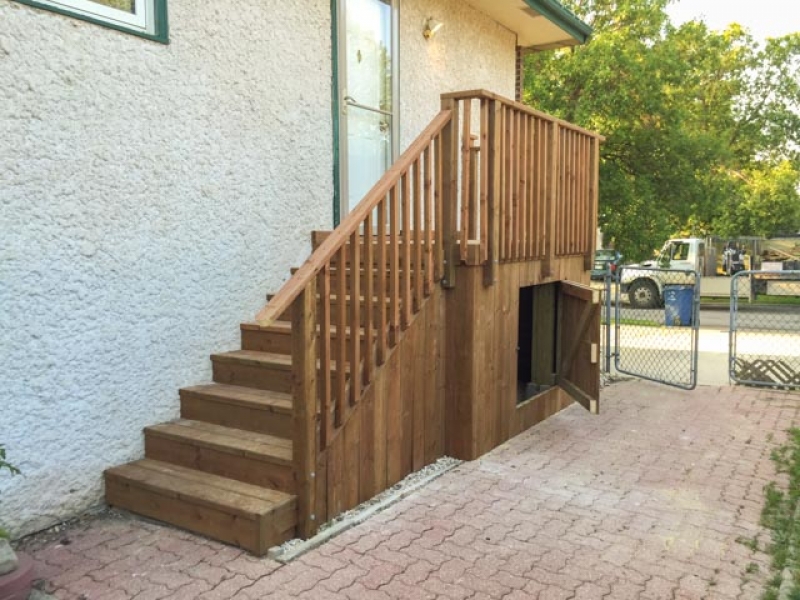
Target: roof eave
555,12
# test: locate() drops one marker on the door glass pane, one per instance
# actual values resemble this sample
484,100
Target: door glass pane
368,95
369,60
369,136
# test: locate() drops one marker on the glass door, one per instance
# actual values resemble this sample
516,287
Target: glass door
367,83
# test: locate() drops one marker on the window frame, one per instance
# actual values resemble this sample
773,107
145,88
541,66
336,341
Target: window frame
149,22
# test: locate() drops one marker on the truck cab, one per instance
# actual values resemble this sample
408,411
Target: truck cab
644,283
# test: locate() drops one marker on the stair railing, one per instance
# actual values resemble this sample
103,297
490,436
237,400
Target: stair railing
359,289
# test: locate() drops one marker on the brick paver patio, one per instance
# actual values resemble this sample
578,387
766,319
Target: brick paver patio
652,499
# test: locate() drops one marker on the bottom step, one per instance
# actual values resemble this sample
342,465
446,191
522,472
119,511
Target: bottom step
249,516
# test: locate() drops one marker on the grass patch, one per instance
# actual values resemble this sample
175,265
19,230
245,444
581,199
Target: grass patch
761,299
778,516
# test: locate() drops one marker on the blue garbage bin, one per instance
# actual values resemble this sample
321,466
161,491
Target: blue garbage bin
678,300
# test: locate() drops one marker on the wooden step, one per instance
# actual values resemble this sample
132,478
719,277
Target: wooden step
252,517
275,338
261,411
266,338
254,458
260,370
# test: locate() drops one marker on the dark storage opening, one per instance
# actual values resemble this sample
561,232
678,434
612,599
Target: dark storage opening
536,339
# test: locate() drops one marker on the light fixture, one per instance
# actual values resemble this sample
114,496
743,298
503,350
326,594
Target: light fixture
431,27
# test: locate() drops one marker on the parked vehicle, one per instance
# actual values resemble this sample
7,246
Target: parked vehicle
605,261
645,285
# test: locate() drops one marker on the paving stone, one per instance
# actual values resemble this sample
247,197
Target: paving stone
644,501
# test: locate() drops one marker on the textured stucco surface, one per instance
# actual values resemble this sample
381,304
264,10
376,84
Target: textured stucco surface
150,195
471,51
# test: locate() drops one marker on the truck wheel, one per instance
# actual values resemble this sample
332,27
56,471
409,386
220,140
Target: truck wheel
643,294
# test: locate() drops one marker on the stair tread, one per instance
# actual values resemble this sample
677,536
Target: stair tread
248,443
277,326
226,494
253,357
236,394
286,326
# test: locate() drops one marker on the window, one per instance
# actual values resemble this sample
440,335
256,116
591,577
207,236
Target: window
147,18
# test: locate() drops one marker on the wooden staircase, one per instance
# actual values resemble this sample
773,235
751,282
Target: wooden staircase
338,390
224,469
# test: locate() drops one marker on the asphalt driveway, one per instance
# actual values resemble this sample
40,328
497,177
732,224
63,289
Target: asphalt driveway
657,498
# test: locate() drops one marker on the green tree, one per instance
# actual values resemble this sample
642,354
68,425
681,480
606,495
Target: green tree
702,127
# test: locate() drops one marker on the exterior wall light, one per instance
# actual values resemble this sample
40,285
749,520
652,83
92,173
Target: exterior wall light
431,27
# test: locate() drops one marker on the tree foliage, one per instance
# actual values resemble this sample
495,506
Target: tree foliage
702,127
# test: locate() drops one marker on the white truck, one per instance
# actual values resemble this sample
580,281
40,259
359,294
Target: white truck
645,285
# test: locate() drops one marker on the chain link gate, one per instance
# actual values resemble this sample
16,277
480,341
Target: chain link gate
765,329
656,330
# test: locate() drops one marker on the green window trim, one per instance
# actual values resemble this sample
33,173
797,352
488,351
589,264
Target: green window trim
159,30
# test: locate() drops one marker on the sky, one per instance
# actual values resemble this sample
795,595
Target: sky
764,18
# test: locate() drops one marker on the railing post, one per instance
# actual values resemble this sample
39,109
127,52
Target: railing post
492,156
304,418
449,151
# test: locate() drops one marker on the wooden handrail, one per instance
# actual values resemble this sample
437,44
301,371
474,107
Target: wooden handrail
325,252
487,95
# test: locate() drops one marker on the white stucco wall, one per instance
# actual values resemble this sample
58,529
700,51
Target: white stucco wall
150,196
470,51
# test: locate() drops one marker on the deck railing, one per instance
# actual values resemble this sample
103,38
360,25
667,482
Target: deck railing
533,193
357,291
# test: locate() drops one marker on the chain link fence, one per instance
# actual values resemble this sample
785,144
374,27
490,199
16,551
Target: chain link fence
765,329
655,324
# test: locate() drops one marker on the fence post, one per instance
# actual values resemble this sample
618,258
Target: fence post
609,281
492,156
304,411
449,191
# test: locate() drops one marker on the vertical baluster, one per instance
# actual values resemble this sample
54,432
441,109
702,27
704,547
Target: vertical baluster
341,338
500,142
417,200
590,217
543,174
484,177
383,282
394,267
406,303
508,157
474,189
515,165
522,178
325,392
369,298
428,219
553,178
535,183
530,142
465,182
438,201
354,355
574,188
